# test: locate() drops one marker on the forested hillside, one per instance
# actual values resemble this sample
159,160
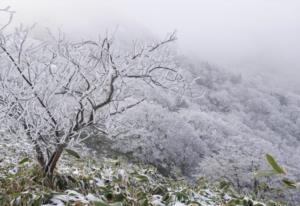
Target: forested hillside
103,122
220,126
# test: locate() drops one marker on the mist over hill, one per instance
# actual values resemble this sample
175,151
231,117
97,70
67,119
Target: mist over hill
230,94
256,37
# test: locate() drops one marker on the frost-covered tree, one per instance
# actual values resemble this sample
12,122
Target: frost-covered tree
55,91
161,137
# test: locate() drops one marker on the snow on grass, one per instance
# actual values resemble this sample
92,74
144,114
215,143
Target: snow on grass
107,182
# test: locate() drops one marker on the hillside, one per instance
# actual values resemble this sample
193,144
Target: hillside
220,126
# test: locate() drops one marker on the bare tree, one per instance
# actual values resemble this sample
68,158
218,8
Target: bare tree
56,91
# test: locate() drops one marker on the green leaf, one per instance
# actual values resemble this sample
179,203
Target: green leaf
159,190
142,178
194,203
119,197
101,204
116,204
72,153
271,203
181,196
143,202
289,183
265,173
276,167
26,159
234,202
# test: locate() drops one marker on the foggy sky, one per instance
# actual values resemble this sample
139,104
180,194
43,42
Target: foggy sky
244,35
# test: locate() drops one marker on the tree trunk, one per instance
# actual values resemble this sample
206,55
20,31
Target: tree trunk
39,155
52,162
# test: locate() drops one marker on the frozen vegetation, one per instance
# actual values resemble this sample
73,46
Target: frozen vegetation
67,109
88,180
